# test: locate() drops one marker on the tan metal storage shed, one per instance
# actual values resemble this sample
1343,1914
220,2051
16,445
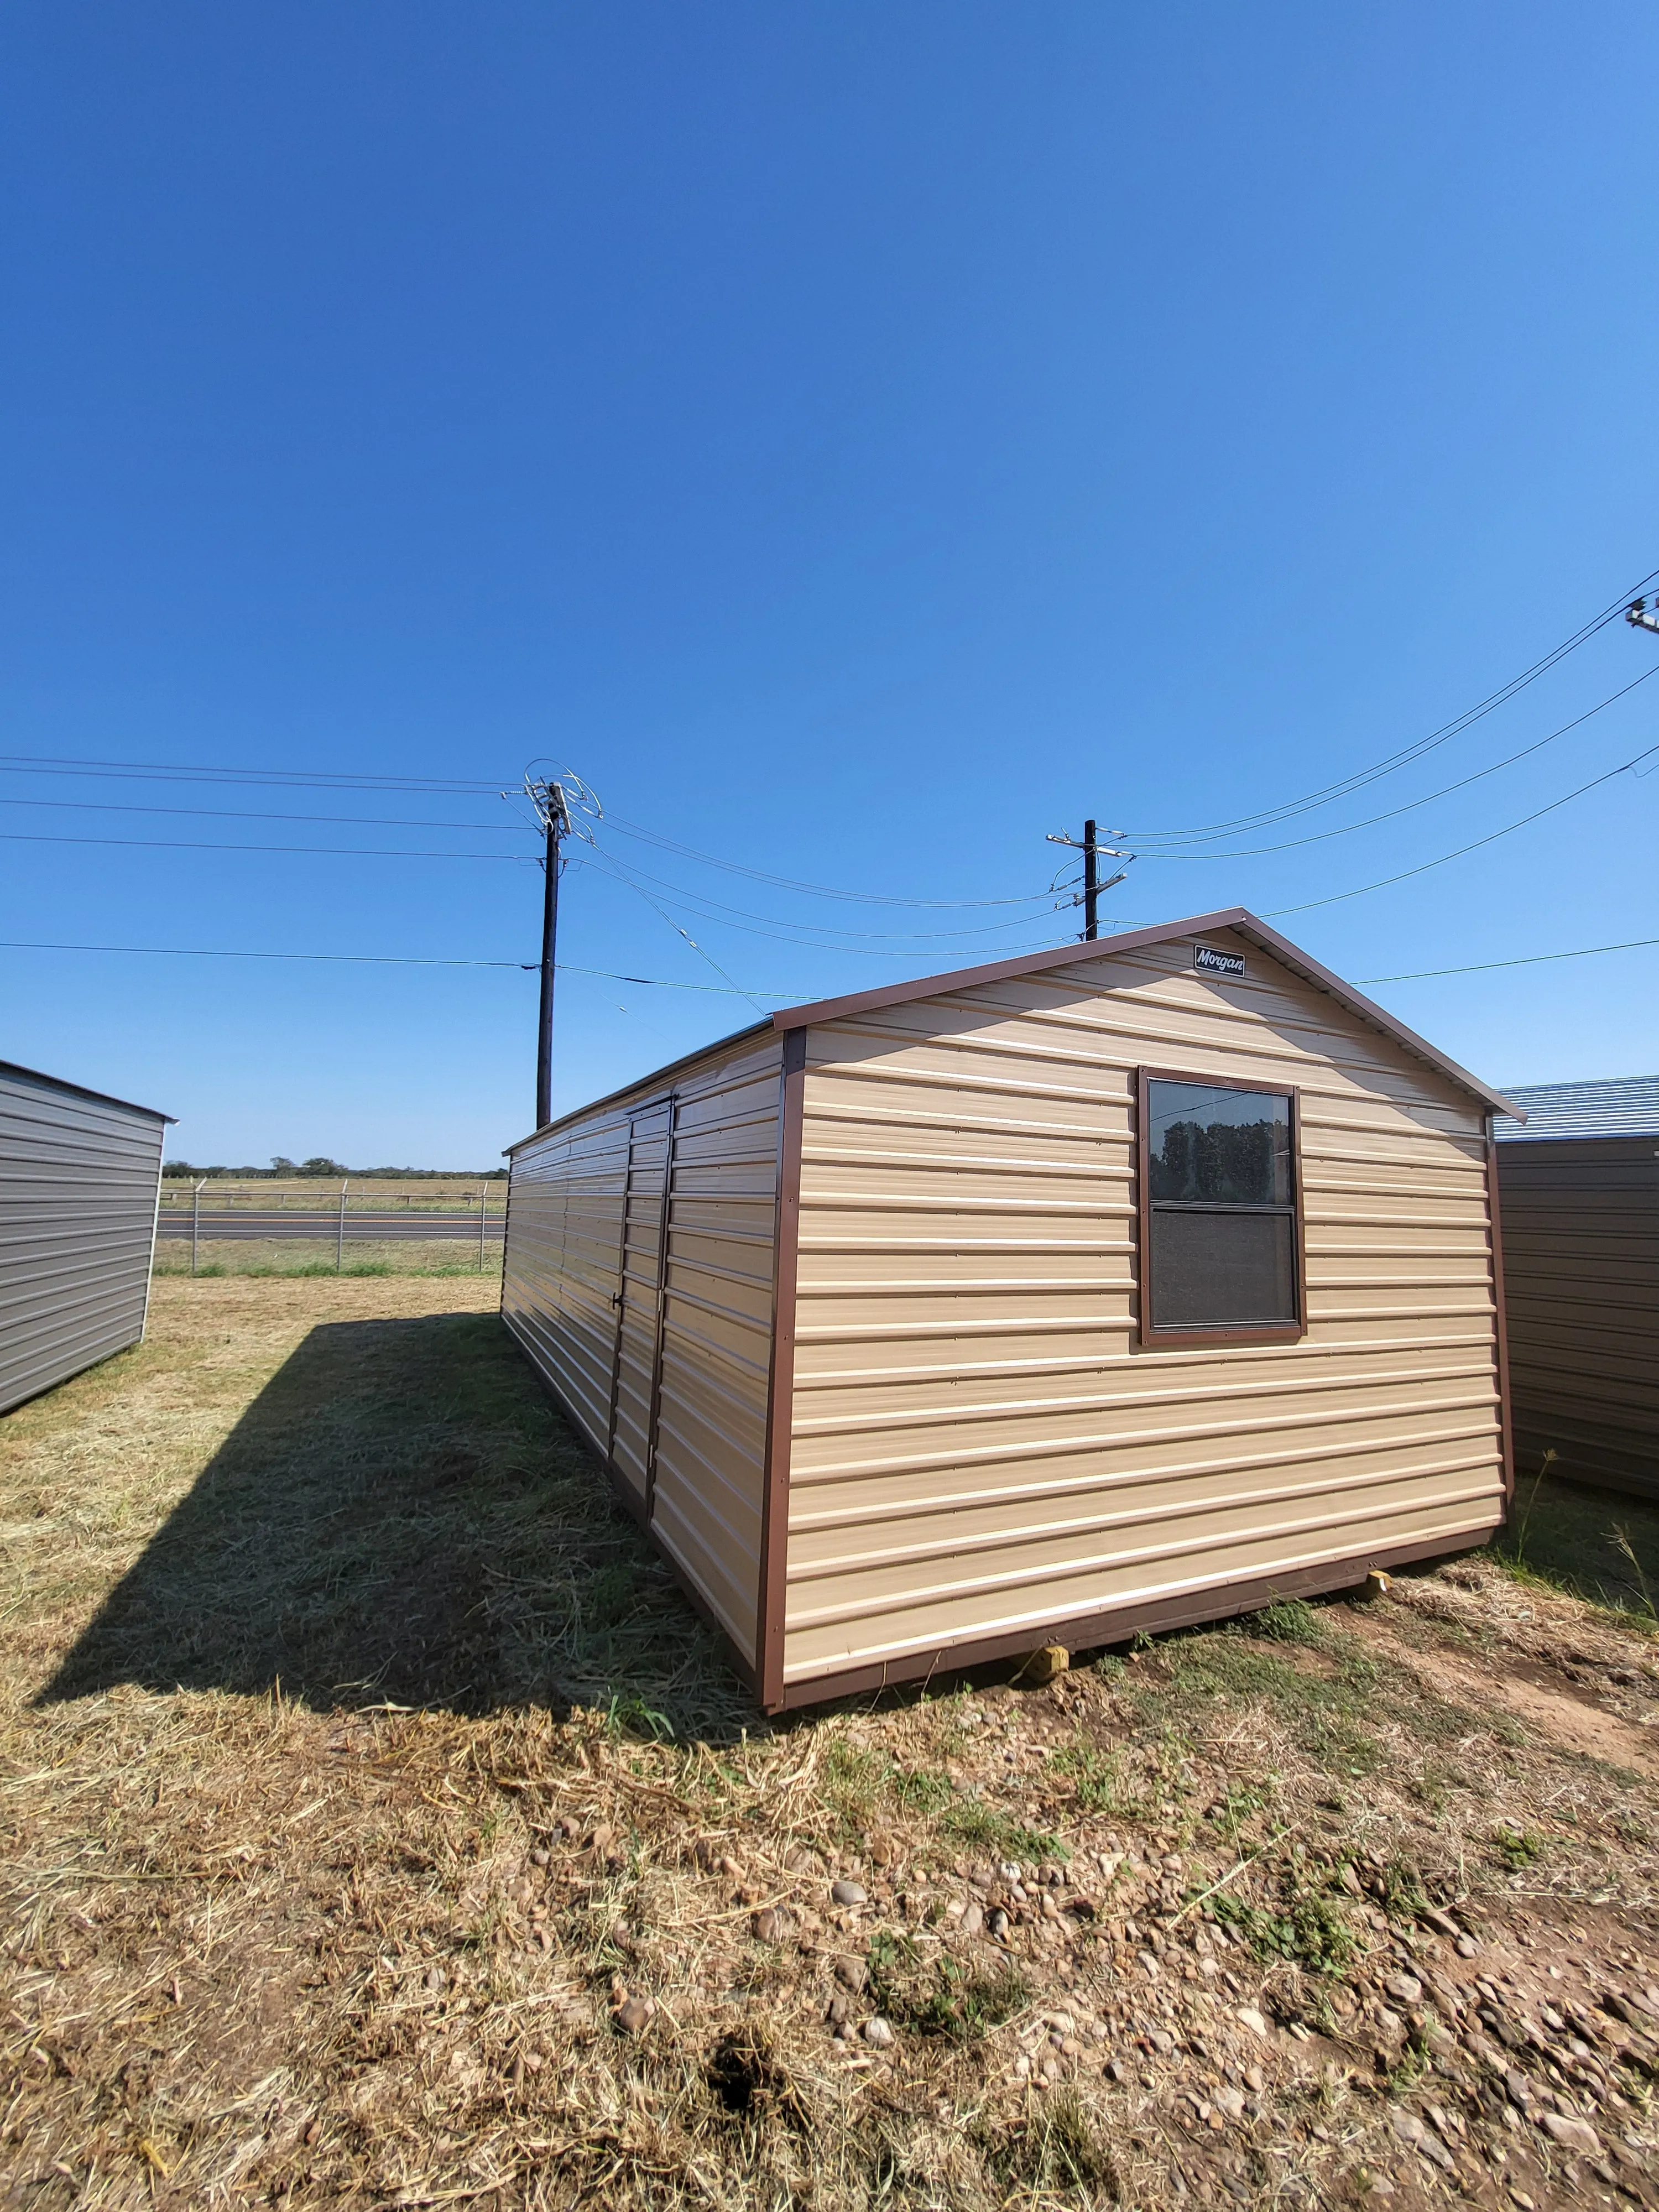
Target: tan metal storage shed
1108,1288
1580,1186
79,1182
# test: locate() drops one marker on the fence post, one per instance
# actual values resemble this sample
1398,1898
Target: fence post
484,1208
339,1247
195,1225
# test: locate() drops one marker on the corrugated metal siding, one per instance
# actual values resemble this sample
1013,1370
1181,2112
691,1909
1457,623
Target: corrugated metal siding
979,1448
1581,1275
638,1277
79,1181
1624,1106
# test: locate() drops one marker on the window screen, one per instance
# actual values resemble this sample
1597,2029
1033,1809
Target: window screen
1222,1207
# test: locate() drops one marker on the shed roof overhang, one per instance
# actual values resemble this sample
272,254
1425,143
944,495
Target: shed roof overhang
1237,918
80,1091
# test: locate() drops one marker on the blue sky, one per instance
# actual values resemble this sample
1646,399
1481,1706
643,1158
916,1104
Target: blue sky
857,441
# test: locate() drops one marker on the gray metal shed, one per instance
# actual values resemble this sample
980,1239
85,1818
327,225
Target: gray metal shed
1109,1288
79,1182
1580,1185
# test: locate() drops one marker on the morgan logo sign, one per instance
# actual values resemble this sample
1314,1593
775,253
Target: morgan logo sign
1209,962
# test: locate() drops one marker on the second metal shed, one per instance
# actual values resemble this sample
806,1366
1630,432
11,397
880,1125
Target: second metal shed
79,1182
1109,1288
1580,1187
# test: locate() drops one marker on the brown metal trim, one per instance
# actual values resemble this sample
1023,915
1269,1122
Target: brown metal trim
1505,1415
1149,1338
997,972
666,1222
1237,918
773,1588
1094,1630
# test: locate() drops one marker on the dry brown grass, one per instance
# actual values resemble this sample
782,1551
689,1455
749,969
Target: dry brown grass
362,1768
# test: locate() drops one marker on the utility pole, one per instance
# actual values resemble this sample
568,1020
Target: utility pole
1092,849
1640,616
550,803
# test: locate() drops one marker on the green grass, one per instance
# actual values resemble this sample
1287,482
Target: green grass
863,1786
1326,1708
1602,1545
1306,1926
1517,1848
1293,1621
1098,1780
970,1821
300,1258
950,2000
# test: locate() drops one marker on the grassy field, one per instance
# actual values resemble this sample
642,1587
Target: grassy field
1601,1543
381,1829
308,1256
411,1194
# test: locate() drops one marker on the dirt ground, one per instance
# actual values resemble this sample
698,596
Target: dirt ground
380,1827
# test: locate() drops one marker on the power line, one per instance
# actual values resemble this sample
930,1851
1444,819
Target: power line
1321,836
817,945
31,764
1405,875
311,852
307,779
1530,960
246,814
393,960
701,899
789,883
1409,753
753,998
715,990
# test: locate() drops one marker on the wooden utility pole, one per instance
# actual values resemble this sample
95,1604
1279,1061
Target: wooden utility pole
1092,849
555,820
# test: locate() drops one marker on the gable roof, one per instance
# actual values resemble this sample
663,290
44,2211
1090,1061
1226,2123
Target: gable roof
1238,918
80,1091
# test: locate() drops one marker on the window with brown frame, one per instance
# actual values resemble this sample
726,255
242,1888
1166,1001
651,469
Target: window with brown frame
1220,1241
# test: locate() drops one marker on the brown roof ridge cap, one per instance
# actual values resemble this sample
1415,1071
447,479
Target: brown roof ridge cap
994,971
1237,918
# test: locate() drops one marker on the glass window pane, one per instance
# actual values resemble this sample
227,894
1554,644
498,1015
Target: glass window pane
1213,1269
1220,1147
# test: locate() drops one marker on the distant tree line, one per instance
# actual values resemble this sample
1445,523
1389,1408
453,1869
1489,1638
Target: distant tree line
332,1170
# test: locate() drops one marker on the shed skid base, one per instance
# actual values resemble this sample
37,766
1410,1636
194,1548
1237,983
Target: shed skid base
1089,1631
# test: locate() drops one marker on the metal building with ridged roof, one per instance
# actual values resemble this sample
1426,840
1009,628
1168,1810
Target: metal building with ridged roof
80,1184
1110,1288
1580,1185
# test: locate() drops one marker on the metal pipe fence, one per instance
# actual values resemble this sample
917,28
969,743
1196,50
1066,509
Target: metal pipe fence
220,1212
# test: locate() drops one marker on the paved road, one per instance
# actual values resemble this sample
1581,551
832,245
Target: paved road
399,1226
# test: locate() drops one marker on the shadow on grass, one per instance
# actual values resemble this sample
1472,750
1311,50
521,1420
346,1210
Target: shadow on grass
401,1516
1600,1544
